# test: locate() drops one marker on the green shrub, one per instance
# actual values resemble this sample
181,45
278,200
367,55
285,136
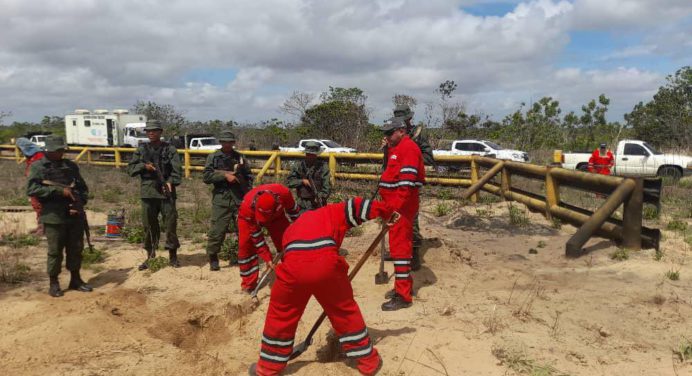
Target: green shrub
684,351
157,263
442,209
489,199
673,275
229,250
89,258
17,241
133,235
517,216
676,225
11,269
555,223
621,254
658,255
650,213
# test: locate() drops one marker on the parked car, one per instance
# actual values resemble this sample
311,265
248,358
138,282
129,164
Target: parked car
636,158
483,148
327,146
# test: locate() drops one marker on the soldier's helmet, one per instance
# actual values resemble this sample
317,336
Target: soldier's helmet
55,143
312,147
227,136
403,111
153,125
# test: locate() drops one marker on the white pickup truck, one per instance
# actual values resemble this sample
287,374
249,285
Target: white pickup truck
327,146
636,158
483,148
39,139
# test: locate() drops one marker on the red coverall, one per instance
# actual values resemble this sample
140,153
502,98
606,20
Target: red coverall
312,266
601,163
35,203
251,242
399,184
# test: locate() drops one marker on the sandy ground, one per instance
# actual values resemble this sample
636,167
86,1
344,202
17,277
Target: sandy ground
484,305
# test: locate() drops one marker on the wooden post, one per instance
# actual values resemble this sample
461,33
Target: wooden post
632,217
552,192
89,158
506,183
264,169
474,178
186,157
277,168
117,158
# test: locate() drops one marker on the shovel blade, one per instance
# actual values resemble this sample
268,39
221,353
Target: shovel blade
299,350
381,278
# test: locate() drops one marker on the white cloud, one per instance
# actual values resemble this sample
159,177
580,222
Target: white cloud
59,55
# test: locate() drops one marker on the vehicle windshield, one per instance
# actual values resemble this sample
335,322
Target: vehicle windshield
40,138
656,152
331,144
139,132
493,145
209,141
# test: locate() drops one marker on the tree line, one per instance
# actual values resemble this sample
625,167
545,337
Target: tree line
342,114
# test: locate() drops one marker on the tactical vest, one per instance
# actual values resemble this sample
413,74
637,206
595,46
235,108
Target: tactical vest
310,173
225,162
60,172
159,158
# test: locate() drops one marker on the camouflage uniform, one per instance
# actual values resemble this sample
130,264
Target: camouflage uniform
165,157
404,111
62,218
225,196
307,198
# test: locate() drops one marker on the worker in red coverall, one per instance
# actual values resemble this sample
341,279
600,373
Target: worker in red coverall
311,265
267,206
403,175
601,160
32,153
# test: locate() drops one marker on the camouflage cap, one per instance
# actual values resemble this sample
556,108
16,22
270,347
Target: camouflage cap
55,143
227,136
153,125
392,124
404,111
312,147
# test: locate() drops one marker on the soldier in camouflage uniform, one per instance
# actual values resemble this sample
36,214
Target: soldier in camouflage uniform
227,171
158,165
58,185
404,112
304,174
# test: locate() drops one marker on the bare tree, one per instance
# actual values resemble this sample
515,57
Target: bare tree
4,114
401,99
297,104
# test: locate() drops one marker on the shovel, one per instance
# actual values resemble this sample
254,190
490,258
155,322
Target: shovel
303,346
382,278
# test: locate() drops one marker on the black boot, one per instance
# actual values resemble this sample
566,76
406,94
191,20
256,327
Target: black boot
150,255
415,261
54,289
214,263
396,303
173,258
76,283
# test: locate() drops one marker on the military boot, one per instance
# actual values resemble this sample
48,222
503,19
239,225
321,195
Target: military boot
54,289
76,283
214,263
150,255
173,258
396,303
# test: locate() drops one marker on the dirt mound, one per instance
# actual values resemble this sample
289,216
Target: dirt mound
188,326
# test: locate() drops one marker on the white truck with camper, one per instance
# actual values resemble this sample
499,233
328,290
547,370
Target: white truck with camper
636,158
326,146
105,128
483,148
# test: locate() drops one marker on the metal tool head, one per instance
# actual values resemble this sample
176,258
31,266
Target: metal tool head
381,278
300,349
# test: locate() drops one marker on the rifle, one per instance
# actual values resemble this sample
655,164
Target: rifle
317,201
242,182
77,206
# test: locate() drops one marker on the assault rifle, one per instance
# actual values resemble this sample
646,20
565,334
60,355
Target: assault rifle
242,182
161,181
316,200
77,206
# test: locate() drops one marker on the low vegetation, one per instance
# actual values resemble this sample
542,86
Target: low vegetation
621,254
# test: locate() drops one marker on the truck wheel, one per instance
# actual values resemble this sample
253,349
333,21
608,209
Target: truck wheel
583,167
670,172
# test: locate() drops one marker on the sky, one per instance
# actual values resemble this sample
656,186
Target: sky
240,60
